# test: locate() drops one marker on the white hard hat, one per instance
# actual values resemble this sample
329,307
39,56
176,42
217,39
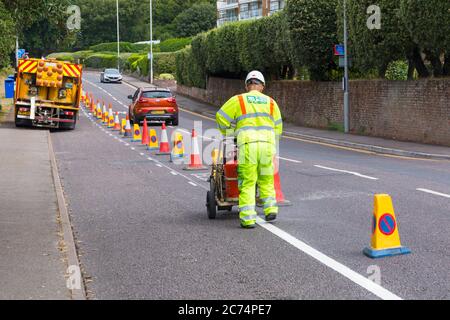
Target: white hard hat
255,75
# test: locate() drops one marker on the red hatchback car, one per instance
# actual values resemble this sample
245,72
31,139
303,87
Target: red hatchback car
157,105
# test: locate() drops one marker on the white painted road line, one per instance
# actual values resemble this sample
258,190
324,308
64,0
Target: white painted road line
193,184
355,277
345,171
434,192
289,160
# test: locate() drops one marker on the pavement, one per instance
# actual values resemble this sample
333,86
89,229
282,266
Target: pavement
32,264
367,143
143,233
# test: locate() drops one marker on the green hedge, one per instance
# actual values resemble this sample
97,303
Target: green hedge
62,56
112,47
101,60
188,71
162,63
237,48
175,44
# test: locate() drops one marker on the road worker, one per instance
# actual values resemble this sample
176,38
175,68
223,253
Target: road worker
255,120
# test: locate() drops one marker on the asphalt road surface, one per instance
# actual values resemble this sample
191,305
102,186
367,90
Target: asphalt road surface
143,231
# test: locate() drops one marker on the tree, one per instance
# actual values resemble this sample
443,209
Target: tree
41,25
374,48
198,18
426,22
312,25
7,36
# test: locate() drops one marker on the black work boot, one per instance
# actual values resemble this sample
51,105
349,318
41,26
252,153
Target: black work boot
271,216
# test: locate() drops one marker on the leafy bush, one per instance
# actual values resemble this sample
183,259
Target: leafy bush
397,70
174,44
166,76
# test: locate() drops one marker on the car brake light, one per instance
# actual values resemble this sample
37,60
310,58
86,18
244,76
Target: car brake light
172,100
68,113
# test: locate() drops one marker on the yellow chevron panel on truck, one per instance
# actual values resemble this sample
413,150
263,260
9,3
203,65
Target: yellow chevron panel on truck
72,70
28,66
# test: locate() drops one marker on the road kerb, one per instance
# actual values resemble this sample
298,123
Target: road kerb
72,257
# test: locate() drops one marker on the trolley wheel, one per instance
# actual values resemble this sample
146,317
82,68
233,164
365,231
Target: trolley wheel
211,205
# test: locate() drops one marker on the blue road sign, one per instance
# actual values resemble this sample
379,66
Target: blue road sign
20,53
339,50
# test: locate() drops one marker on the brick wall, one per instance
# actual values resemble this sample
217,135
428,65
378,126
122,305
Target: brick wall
417,111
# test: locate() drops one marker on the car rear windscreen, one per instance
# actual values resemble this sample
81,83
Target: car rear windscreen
156,94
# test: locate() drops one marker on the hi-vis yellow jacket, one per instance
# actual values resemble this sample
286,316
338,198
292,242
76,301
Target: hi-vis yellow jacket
251,116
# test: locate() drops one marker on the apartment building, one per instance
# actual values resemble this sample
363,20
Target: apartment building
236,10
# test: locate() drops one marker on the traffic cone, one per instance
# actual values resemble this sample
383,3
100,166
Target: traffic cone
92,108
164,147
178,148
281,200
127,132
385,237
153,143
117,126
105,118
145,137
123,125
99,111
137,137
196,159
111,117
104,114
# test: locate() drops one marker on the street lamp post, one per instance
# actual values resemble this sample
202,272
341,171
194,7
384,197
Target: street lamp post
346,82
151,44
118,37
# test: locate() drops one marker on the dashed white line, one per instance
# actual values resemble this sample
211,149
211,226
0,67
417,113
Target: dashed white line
174,173
193,184
289,160
142,154
158,165
434,192
345,171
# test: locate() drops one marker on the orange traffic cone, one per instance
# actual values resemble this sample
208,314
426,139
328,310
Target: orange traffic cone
196,159
127,133
281,200
145,137
164,148
116,122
